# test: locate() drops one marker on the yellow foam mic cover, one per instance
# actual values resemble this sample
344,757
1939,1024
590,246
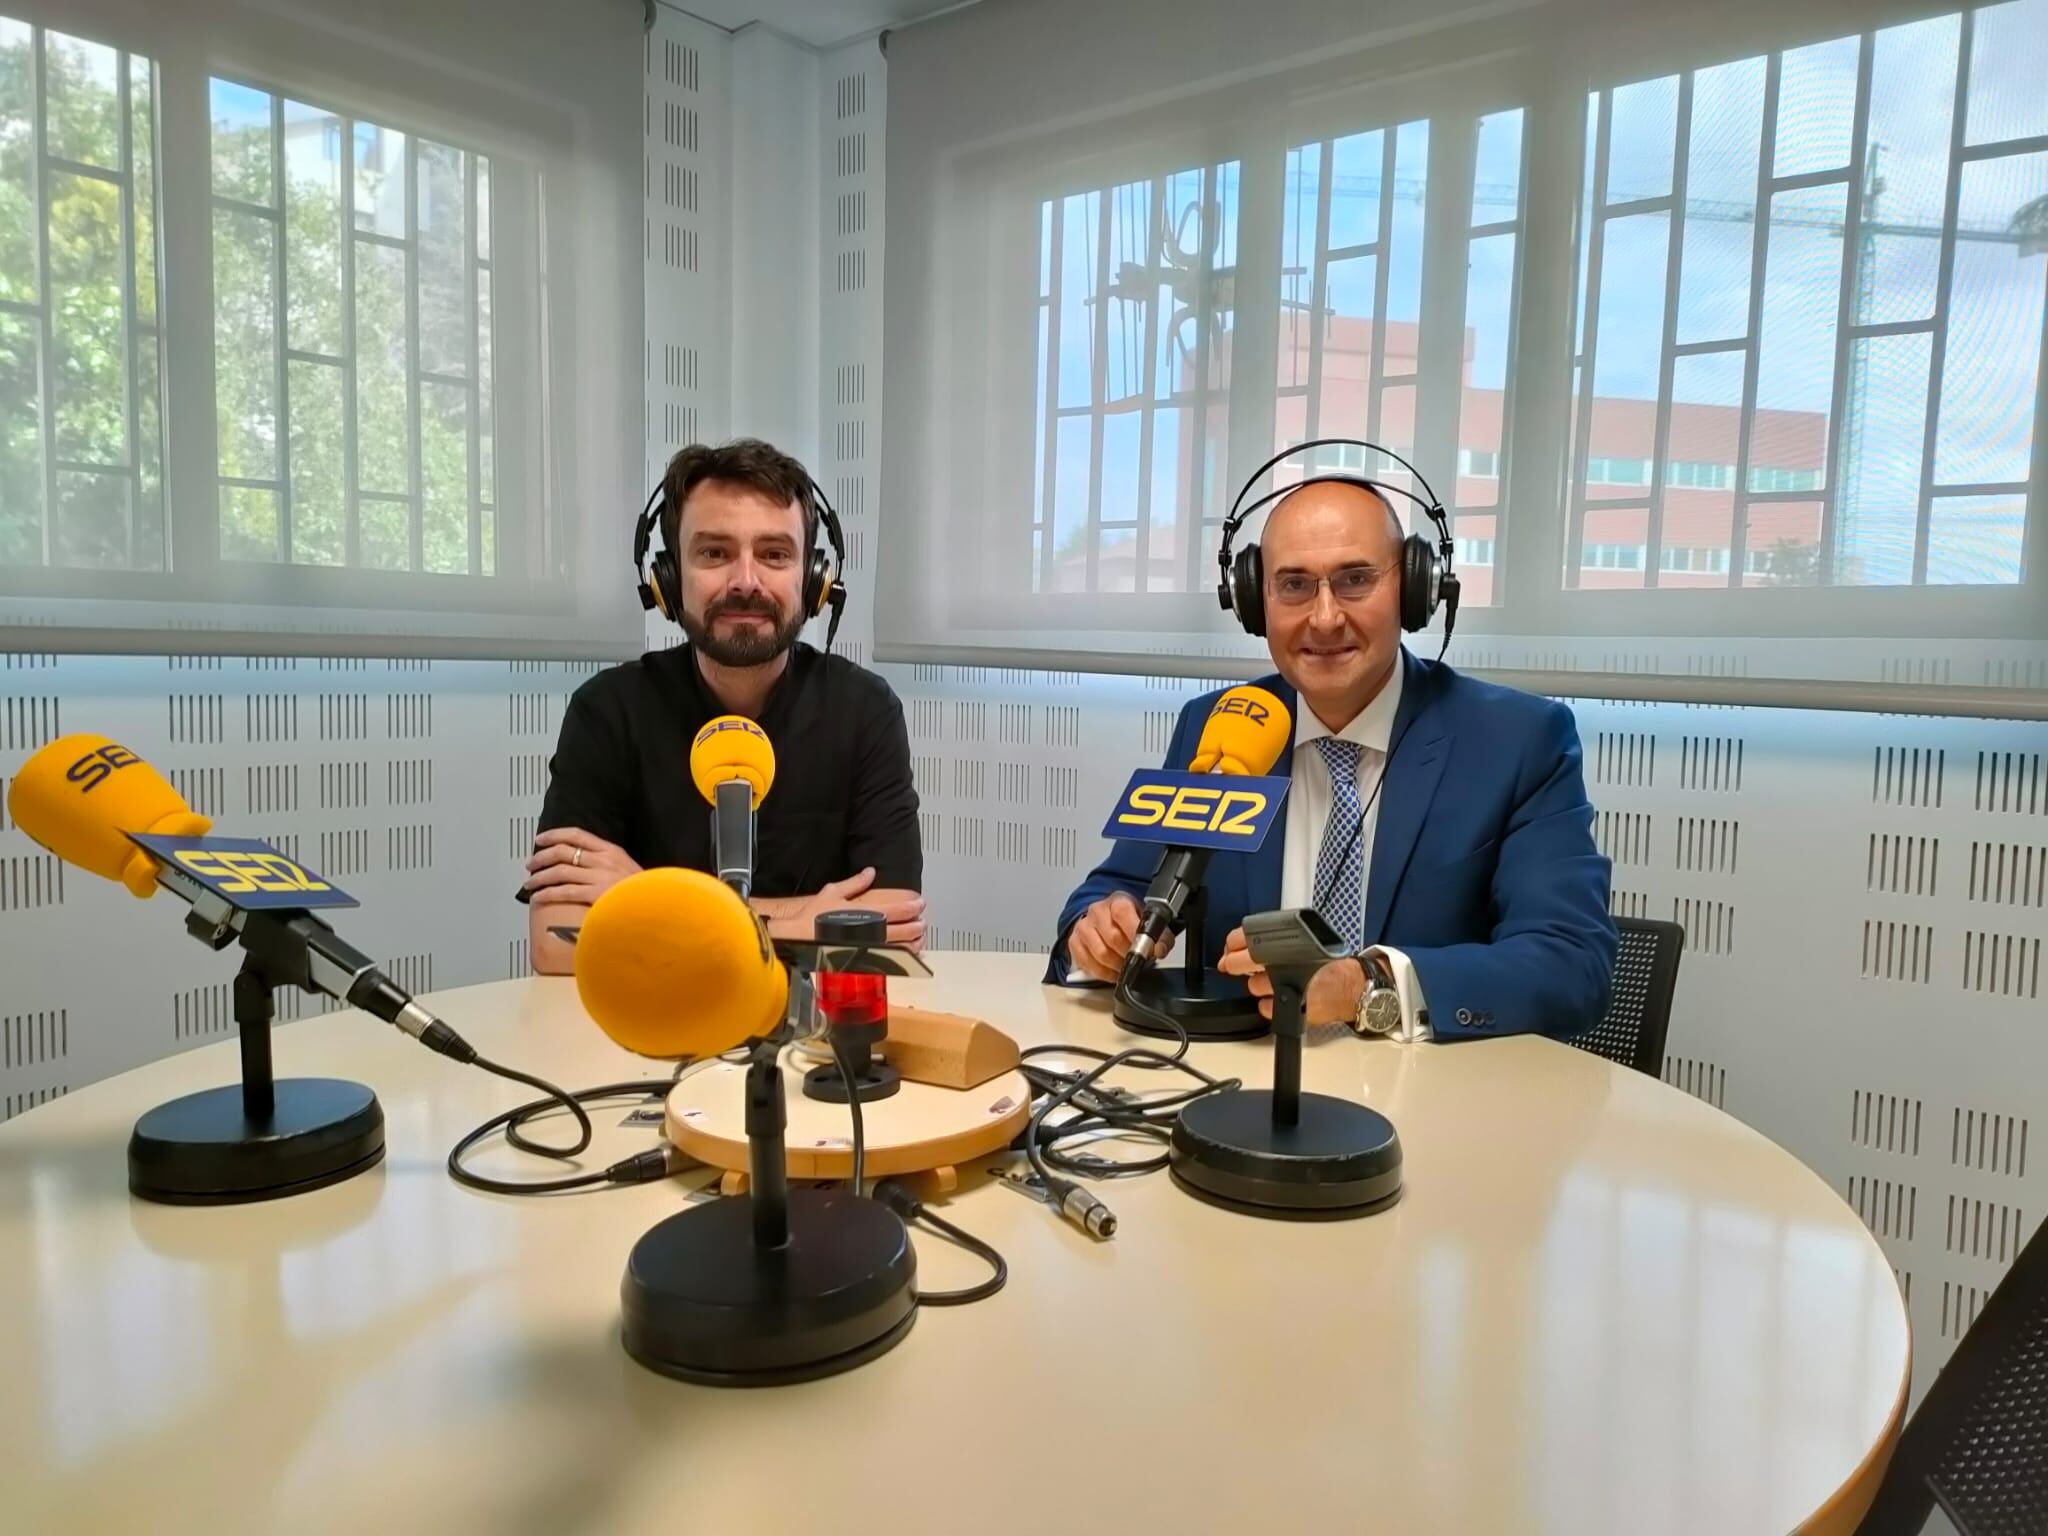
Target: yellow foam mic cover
732,747
81,796
671,962
1245,733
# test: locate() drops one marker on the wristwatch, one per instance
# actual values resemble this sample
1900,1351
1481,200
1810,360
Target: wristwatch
1379,1009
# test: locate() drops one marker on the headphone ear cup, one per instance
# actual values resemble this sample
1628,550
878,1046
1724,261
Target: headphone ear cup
1418,582
1248,589
663,579
817,583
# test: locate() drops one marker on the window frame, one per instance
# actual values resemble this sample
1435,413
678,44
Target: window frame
529,551
1934,608
44,165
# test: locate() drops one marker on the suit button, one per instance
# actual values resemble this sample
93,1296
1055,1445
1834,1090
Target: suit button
1464,1015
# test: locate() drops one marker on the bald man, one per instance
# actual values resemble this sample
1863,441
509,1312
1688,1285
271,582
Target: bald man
1439,823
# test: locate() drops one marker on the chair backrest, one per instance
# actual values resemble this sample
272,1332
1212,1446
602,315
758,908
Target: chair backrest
1639,1010
1979,1444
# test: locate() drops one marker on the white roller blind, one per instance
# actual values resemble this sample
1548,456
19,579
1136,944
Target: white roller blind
320,325
1719,336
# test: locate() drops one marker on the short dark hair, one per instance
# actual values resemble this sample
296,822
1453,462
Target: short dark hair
744,461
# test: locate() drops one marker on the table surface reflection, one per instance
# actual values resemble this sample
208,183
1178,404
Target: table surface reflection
1600,1305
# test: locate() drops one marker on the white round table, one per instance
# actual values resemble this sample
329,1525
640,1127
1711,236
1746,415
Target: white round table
1599,1306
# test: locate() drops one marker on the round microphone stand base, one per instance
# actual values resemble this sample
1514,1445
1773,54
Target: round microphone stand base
705,1302
208,1149
1337,1160
1206,1005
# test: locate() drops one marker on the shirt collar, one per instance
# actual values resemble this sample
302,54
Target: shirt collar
1372,726
779,696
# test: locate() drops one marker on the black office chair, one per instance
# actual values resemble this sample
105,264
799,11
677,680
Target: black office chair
1639,1011
1978,1447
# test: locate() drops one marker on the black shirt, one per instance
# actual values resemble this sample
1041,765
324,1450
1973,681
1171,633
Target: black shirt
842,798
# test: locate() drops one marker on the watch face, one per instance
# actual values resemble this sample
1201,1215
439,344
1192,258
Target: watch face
1382,1011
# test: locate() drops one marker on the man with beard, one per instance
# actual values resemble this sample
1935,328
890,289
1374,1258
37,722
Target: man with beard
838,828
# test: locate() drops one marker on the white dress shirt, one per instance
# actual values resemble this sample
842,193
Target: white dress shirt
1308,813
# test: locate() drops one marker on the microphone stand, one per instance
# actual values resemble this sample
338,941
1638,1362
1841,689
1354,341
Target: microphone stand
264,1138
1280,1152
776,1285
1196,1001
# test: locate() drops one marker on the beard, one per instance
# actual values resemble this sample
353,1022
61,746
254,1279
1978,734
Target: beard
745,648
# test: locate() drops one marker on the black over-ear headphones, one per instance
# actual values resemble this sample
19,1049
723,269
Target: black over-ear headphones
1427,579
661,580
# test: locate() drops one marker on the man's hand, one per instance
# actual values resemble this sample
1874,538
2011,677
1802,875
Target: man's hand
796,917
1101,937
1333,992
572,867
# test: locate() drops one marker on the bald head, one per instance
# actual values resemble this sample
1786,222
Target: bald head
1331,554
1332,511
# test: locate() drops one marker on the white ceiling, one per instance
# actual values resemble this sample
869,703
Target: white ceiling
821,23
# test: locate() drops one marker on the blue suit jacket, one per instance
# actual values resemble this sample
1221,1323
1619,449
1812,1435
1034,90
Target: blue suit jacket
1484,871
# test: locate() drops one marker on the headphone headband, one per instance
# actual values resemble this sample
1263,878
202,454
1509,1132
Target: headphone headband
1427,575
1432,507
830,589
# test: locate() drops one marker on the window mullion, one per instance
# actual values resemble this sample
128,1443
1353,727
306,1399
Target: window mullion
351,510
132,486
1738,526
1318,294
416,517
280,307
1846,316
1376,368
1587,349
1667,365
1148,375
1937,361
46,365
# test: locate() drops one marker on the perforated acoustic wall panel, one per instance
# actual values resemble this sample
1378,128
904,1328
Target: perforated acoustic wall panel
413,784
850,114
688,254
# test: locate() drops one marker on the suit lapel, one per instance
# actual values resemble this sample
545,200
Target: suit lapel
1418,748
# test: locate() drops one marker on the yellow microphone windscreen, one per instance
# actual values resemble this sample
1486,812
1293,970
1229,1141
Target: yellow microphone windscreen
1245,733
81,796
670,962
732,747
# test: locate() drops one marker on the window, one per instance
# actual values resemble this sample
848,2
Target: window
1676,558
1612,557
1618,471
1133,381
1753,287
1351,222
81,436
1693,475
1470,552
1813,327
352,341
284,370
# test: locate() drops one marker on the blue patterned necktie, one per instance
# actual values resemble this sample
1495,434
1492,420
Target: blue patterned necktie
1340,867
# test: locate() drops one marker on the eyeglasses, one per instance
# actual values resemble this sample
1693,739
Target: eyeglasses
1297,589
